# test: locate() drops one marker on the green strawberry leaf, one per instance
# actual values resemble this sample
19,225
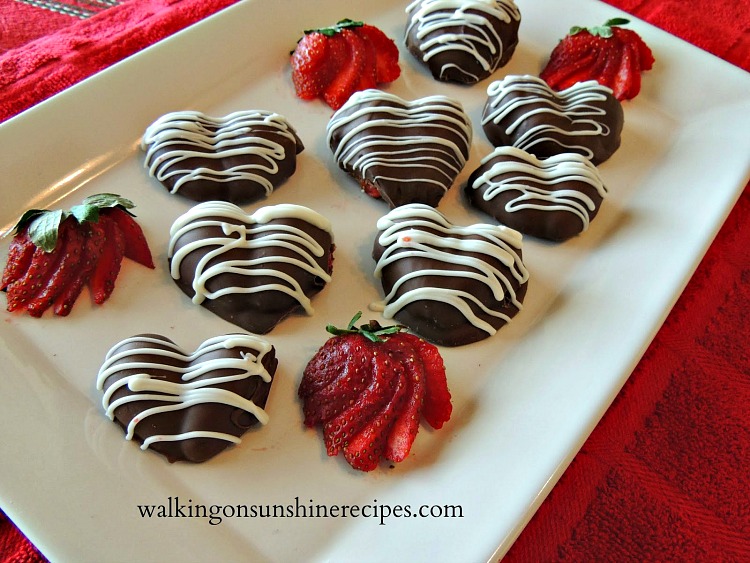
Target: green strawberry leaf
43,229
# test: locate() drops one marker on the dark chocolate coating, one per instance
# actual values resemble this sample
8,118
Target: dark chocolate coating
436,319
205,416
553,199
524,112
249,305
267,156
402,151
463,43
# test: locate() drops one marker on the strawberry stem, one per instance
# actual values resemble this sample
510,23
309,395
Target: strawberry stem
371,330
341,25
601,30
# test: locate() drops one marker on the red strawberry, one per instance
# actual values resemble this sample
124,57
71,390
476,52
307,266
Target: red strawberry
25,288
368,387
340,429
406,425
54,254
69,247
609,54
345,371
102,280
334,62
20,254
311,68
386,53
437,407
92,250
346,81
367,447
136,247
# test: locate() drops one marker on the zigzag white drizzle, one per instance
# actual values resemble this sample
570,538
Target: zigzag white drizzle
215,138
178,396
433,16
535,181
404,235
399,149
257,235
581,104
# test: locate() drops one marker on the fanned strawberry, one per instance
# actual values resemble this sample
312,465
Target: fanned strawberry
69,247
20,253
336,61
92,250
54,254
136,247
613,56
102,280
377,413
405,427
437,408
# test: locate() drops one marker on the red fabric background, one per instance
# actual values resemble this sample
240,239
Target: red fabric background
664,476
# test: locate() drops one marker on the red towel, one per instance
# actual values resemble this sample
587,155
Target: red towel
664,475
47,65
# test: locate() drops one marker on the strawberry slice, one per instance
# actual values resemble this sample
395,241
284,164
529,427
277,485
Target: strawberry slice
437,408
344,84
69,246
406,426
25,288
92,250
366,448
335,376
311,68
107,268
386,53
20,253
136,247
609,54
342,427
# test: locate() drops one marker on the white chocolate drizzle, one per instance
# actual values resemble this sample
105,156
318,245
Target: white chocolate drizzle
397,146
536,182
431,17
191,390
243,231
581,105
407,233
216,139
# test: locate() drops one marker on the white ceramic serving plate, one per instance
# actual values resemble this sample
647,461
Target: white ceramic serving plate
525,400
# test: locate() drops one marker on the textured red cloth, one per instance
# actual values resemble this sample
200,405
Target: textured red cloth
664,475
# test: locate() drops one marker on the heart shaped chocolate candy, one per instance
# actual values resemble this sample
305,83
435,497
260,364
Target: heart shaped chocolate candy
523,111
462,41
402,151
251,270
451,285
239,158
554,199
187,407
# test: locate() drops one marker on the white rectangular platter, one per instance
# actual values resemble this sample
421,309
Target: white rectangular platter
524,400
